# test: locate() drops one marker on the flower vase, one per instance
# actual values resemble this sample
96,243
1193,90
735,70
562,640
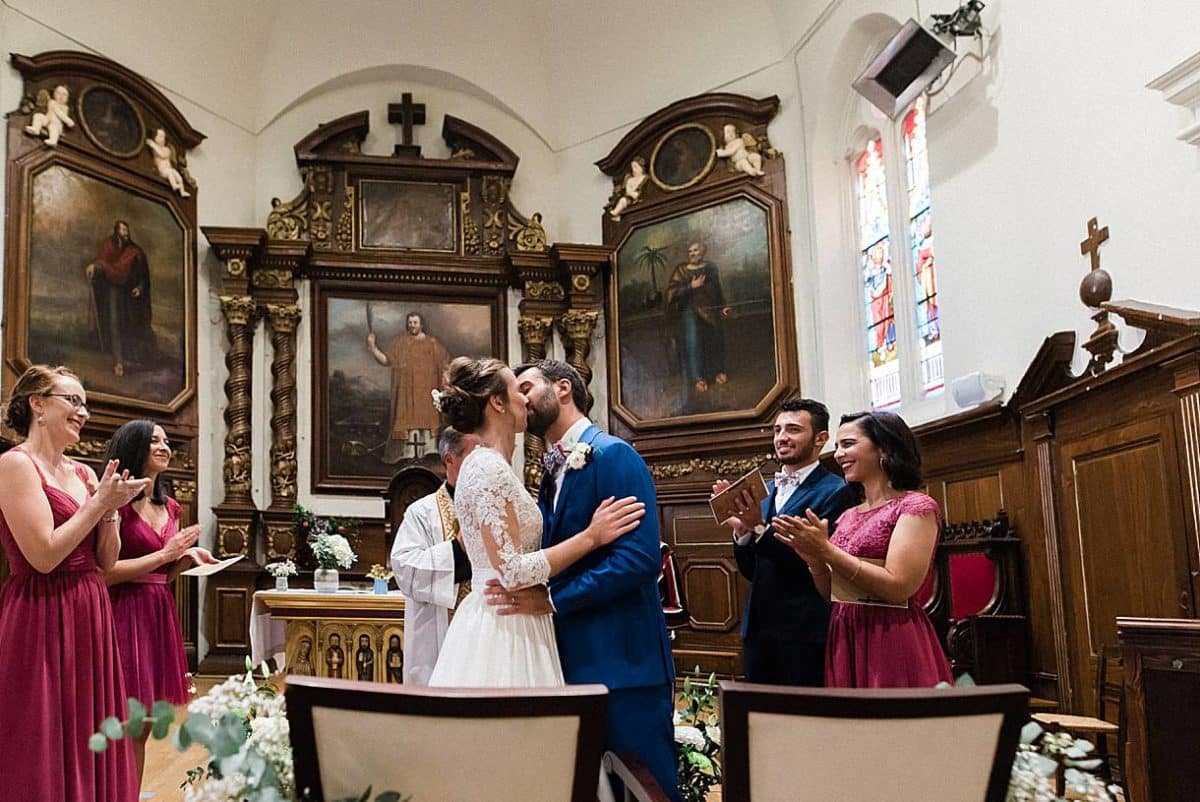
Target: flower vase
281,583
325,580
381,587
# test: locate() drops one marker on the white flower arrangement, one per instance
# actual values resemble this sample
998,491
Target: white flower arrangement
579,456
281,568
437,398
330,550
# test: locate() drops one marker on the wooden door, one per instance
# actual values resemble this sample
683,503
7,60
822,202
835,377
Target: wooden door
1123,538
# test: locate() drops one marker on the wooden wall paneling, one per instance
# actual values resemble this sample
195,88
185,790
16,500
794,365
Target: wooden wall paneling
1120,535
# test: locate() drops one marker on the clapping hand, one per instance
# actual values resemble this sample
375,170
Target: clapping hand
181,542
807,534
115,490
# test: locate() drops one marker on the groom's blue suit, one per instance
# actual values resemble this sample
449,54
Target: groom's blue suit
608,616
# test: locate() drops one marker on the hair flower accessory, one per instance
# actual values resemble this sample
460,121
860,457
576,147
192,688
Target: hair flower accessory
437,398
579,456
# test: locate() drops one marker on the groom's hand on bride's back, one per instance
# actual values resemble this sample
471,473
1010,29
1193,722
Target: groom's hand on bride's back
533,600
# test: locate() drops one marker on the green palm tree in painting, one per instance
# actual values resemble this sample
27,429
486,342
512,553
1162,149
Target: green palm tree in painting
651,259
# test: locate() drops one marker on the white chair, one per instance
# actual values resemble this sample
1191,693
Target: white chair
904,745
446,743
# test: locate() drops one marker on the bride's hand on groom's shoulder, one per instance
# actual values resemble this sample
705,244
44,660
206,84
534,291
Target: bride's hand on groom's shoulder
534,600
613,518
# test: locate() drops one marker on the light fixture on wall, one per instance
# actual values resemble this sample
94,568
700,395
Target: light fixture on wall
975,388
907,65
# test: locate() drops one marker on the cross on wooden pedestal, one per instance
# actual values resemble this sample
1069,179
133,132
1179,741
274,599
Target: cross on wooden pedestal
406,114
1091,245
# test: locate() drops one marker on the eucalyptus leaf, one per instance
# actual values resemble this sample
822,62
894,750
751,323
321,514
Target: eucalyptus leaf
182,739
1044,765
201,729
111,727
390,796
965,681
1091,764
97,743
163,714
1030,732
1086,746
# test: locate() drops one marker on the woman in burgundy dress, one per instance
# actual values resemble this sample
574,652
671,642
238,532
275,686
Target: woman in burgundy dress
153,552
884,546
60,674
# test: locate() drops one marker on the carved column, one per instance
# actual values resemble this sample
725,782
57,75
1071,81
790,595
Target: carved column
534,331
239,323
282,319
577,328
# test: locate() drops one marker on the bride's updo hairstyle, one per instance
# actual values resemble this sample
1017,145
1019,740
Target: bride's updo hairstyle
469,384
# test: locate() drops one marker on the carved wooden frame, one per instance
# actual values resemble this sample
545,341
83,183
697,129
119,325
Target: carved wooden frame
133,173
492,297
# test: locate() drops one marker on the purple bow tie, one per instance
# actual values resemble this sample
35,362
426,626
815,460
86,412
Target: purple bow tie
784,480
554,459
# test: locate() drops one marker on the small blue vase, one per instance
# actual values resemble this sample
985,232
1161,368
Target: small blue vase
381,587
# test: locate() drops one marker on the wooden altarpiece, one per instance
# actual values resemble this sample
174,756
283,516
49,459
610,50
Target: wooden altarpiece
100,256
368,231
700,330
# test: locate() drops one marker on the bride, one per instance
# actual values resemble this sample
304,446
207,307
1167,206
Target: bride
502,531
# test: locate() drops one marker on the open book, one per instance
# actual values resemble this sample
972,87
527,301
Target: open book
846,592
725,504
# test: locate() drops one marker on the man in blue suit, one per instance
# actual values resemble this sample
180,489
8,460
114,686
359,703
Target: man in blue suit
607,612
785,624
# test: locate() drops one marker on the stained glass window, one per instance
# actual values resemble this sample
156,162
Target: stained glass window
876,261
920,231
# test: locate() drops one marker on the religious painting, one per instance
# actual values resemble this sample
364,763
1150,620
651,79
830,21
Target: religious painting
683,157
381,354
408,215
111,121
108,286
696,313
393,654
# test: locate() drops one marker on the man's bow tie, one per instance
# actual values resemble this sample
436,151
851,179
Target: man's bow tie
554,459
783,480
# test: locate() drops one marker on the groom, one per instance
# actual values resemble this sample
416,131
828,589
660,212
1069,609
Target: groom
607,612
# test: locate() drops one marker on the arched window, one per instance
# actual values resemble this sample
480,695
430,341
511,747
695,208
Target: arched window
895,235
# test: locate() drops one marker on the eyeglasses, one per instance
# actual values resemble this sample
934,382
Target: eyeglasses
71,398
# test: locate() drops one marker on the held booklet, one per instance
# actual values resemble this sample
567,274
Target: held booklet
846,592
724,505
209,569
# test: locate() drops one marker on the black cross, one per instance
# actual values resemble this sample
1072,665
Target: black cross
407,114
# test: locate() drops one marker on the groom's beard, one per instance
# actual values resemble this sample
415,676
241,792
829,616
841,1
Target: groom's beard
542,415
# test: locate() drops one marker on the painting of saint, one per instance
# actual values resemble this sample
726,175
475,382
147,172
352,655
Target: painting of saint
395,660
695,315
364,660
109,286
384,354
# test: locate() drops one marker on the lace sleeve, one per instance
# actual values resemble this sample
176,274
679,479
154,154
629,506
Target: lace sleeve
487,502
920,504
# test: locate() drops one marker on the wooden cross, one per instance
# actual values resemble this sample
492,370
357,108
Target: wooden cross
417,442
406,114
1091,245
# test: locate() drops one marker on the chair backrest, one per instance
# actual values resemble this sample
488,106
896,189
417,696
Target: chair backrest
446,743
903,745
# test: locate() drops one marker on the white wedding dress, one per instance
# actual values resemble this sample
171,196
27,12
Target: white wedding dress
502,531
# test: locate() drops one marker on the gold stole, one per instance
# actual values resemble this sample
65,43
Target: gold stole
450,530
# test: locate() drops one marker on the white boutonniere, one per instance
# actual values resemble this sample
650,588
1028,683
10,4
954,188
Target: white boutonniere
580,455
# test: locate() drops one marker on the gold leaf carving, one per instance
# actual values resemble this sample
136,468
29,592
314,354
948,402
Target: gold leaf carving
238,309
715,467
345,224
272,279
230,536
88,448
471,244
544,291
235,267
185,490
581,282
528,237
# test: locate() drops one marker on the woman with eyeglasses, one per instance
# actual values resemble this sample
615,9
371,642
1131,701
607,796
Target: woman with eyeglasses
60,673
153,552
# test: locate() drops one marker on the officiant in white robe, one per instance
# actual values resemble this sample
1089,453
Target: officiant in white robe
431,567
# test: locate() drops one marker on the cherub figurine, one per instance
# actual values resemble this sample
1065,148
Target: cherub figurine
164,157
53,113
742,152
629,191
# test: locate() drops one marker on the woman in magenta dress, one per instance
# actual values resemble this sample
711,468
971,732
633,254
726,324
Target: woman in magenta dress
153,552
60,674
873,646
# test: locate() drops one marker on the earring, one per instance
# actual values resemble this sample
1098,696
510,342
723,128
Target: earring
41,420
